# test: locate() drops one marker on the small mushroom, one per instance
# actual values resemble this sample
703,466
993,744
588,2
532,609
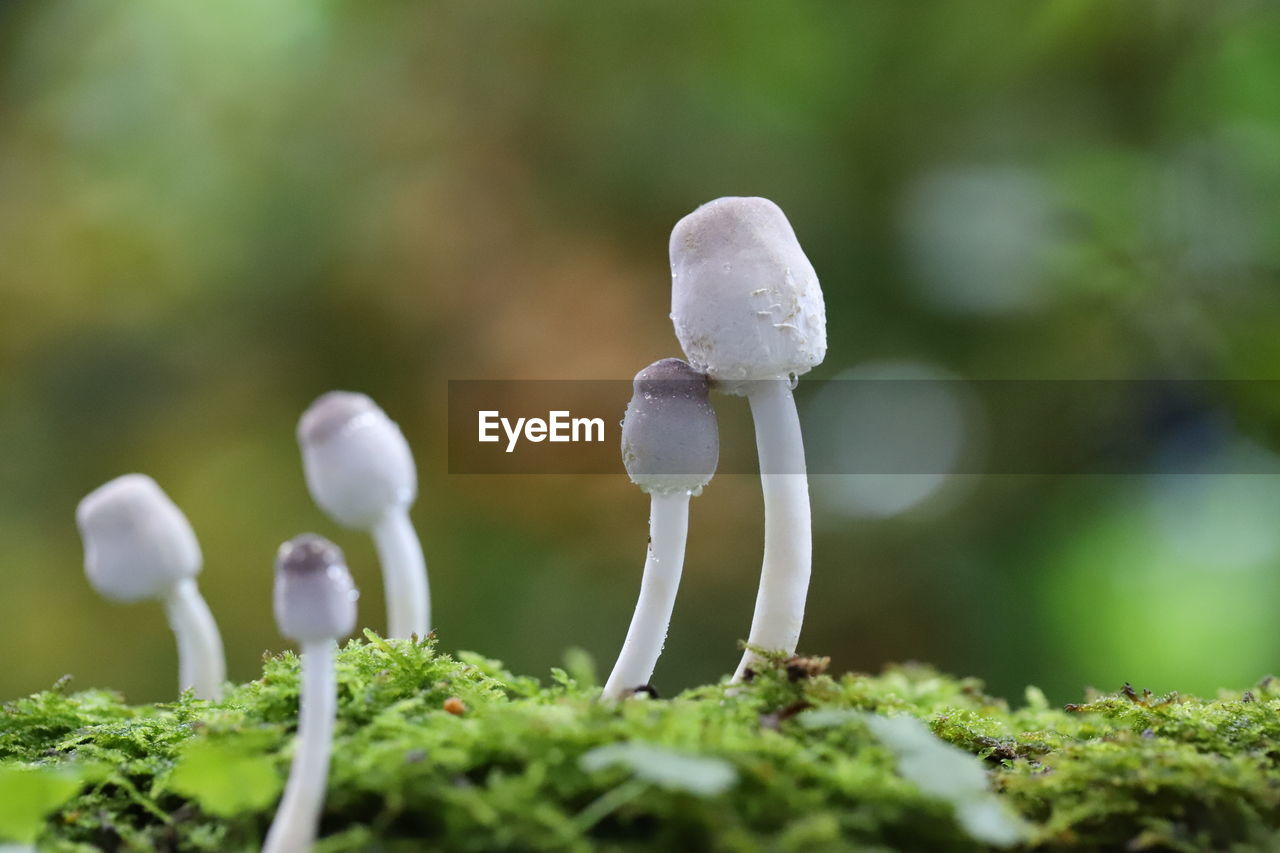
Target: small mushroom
670,447
138,545
749,313
360,471
315,605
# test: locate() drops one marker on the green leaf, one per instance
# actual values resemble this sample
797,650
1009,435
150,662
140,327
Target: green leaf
941,770
225,777
581,667
29,794
675,771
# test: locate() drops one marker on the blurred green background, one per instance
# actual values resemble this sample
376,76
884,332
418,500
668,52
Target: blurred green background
211,214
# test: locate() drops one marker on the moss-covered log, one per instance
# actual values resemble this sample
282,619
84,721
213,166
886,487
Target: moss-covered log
455,754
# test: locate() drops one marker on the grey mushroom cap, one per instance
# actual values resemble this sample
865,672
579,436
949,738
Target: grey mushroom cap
670,441
331,413
745,300
315,598
137,543
356,460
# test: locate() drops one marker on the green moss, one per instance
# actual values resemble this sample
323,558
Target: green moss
786,763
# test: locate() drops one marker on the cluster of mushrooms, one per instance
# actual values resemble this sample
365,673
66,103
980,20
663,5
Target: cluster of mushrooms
748,313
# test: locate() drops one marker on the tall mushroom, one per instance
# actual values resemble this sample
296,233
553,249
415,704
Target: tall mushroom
315,605
748,312
360,471
138,545
670,447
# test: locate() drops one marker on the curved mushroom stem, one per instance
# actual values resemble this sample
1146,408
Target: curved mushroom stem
201,662
404,575
298,819
788,540
668,530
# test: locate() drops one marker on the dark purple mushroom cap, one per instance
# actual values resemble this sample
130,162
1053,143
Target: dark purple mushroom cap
315,598
670,442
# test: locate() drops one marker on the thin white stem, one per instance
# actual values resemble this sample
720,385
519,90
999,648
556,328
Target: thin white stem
298,819
201,662
788,539
404,575
668,530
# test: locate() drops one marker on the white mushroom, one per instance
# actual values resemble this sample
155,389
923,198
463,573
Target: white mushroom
360,471
138,545
670,447
748,312
315,605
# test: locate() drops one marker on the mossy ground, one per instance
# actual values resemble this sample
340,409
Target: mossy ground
766,767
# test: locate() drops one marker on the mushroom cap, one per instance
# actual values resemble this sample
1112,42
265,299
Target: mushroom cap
137,543
670,442
745,300
356,460
315,598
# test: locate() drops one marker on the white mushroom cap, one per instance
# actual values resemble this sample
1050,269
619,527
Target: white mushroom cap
315,598
745,300
670,442
357,462
137,543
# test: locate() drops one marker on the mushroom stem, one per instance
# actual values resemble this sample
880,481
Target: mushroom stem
298,819
668,530
788,544
404,575
201,664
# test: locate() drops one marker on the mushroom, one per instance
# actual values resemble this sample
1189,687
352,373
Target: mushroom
315,605
670,447
748,312
360,471
138,545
